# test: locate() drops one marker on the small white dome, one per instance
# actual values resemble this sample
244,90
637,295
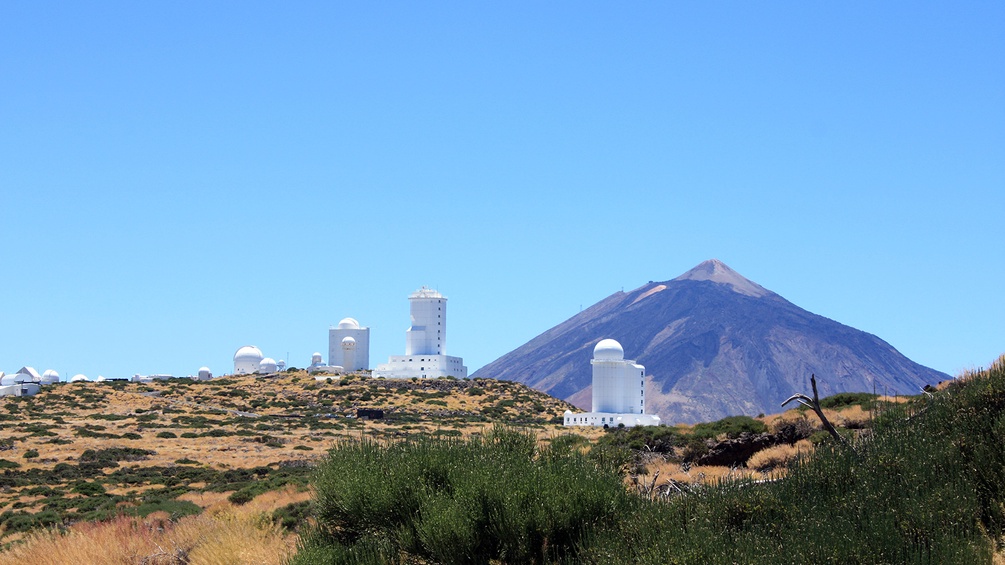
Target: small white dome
348,340
316,358
609,349
348,324
50,376
247,353
78,378
268,365
203,369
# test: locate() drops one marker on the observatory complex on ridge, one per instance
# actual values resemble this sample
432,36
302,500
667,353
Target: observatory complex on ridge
425,342
619,395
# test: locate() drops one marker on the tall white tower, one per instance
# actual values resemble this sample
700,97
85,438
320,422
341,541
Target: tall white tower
619,391
425,342
349,327
618,384
428,333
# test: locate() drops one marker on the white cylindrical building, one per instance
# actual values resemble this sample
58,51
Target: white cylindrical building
268,366
50,377
428,333
205,374
348,353
247,359
618,384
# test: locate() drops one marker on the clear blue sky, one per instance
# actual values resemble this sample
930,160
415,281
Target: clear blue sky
178,179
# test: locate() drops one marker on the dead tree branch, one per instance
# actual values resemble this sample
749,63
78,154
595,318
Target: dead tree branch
814,403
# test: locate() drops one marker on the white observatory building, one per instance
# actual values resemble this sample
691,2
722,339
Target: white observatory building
619,395
425,342
349,346
247,360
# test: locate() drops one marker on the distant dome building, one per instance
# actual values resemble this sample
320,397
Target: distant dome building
247,360
349,327
78,378
50,377
268,366
204,374
618,391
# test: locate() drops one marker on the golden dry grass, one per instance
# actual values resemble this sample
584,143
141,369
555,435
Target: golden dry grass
223,535
778,456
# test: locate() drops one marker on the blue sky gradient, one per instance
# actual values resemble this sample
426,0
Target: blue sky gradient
181,179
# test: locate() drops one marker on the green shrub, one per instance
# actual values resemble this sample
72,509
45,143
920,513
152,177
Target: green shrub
166,435
451,501
30,454
5,464
843,399
732,426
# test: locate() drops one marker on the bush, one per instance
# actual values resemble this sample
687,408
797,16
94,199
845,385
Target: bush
450,501
732,427
166,435
30,454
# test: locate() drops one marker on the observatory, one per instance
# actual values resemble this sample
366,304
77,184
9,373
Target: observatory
338,346
268,366
425,342
619,396
247,360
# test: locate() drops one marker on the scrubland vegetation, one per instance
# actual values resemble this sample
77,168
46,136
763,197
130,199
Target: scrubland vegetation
925,485
477,472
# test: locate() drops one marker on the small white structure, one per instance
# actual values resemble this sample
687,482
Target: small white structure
425,342
281,365
50,377
268,366
247,360
204,374
78,378
349,328
619,395
316,361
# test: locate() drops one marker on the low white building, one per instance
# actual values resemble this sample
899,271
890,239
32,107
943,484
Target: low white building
619,391
425,342
359,350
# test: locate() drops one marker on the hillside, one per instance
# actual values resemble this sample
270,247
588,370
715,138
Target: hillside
714,344
86,451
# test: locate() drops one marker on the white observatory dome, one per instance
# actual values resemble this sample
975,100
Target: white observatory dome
50,377
78,378
247,359
348,341
348,324
268,365
609,349
316,358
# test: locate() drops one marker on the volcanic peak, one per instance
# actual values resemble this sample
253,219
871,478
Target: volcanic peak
716,271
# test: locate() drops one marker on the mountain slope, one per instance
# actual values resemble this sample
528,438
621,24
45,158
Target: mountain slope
714,344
